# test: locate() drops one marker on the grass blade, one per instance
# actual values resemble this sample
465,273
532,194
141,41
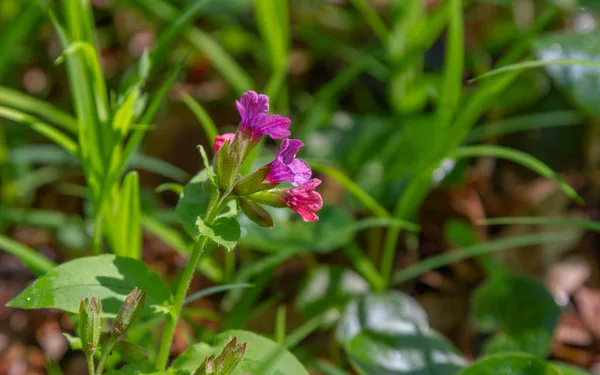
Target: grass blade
446,258
22,102
524,123
372,19
590,225
36,262
364,197
214,290
519,157
46,130
129,215
203,117
533,64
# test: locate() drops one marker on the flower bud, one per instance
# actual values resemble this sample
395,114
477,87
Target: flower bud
256,213
90,324
253,182
228,163
225,363
272,197
133,304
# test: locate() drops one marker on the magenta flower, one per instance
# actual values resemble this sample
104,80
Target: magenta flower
286,167
253,110
305,200
221,139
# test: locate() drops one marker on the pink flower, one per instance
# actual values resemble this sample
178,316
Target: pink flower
221,139
253,110
305,200
286,167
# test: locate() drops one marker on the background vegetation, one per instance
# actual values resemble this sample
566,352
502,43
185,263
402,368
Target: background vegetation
477,194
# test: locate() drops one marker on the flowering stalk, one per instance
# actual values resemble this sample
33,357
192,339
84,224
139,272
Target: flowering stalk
262,187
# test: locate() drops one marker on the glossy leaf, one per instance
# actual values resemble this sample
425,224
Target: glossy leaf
415,351
387,313
225,231
536,341
569,370
511,364
193,202
258,350
108,277
497,306
580,83
329,287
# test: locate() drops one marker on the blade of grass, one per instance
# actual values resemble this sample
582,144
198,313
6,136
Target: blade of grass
36,262
46,130
214,290
22,102
365,266
524,123
352,187
553,221
533,64
203,117
372,19
521,158
444,259
158,166
223,62
130,229
454,66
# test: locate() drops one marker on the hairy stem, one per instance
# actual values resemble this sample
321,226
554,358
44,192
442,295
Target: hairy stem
105,353
184,284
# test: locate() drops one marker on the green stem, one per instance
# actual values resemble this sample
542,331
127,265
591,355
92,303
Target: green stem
97,243
109,347
90,362
184,285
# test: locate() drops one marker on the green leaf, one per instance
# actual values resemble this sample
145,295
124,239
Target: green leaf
534,341
193,202
580,83
329,287
202,115
384,313
140,370
569,370
497,306
108,277
258,350
74,342
522,158
126,222
511,364
207,166
36,262
551,221
411,350
225,231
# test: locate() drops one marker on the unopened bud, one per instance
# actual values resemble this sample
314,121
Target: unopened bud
254,182
256,213
272,197
133,304
228,163
90,324
225,363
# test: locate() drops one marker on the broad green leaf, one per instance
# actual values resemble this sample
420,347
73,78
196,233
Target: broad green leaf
224,231
569,370
258,350
133,369
497,306
108,277
413,350
534,341
511,364
193,202
580,83
386,313
329,287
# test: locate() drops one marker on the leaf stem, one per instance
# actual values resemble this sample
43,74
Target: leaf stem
105,353
90,362
184,284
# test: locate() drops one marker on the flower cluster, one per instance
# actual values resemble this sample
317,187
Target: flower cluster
261,187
